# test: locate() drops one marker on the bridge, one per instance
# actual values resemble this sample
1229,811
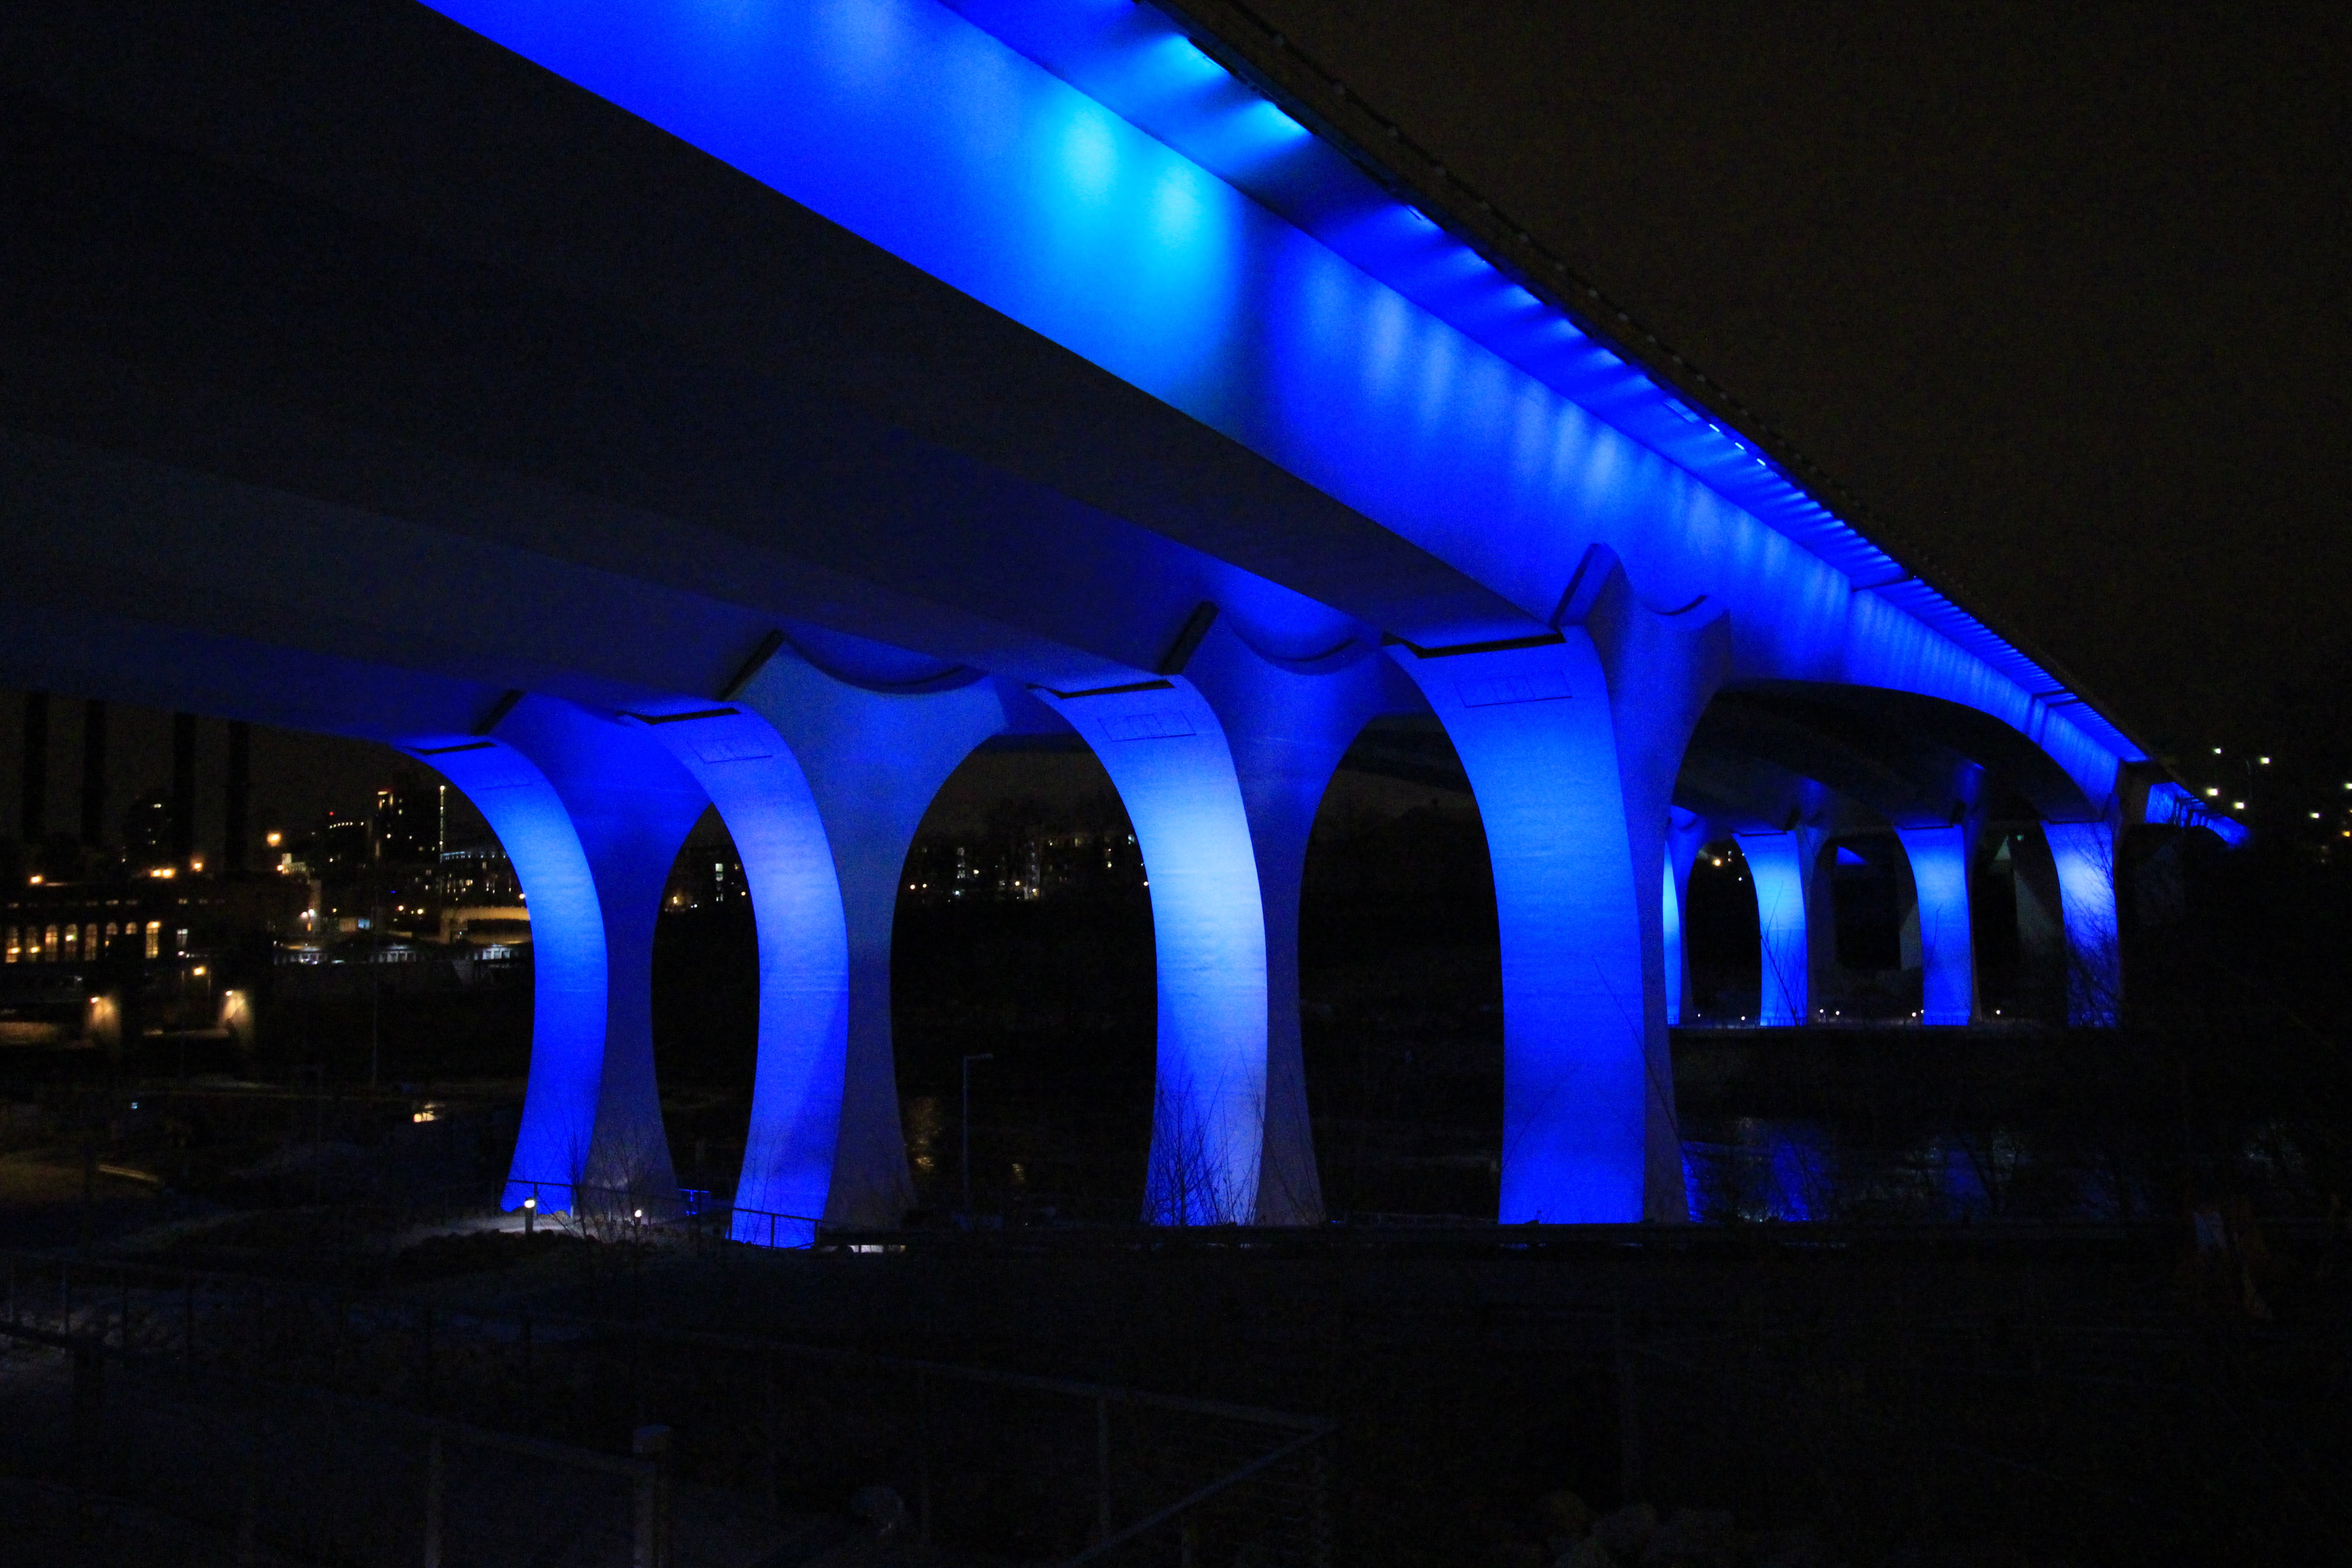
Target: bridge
631,406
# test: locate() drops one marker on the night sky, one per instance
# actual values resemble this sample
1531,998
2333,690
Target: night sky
2057,293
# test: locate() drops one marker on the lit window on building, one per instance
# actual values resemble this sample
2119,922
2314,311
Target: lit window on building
14,947
154,938
49,945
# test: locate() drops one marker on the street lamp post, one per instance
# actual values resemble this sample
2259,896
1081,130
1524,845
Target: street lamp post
975,1057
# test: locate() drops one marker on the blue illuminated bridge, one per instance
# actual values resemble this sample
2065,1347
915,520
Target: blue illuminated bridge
634,407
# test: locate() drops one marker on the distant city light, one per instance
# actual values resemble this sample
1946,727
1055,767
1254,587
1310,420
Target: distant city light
2237,806
2213,792
2264,761
2217,751
35,879
275,839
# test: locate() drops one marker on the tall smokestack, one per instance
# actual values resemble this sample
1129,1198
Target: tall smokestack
240,787
34,800
184,789
93,773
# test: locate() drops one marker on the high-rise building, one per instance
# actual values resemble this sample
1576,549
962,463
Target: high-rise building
344,846
409,824
147,831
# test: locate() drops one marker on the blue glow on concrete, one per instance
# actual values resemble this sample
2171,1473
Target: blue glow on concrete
568,986
1287,722
1572,747
2083,853
1662,671
1940,866
632,807
803,933
591,814
1364,350
1533,729
870,760
1673,905
1165,749
1780,866
2171,806
1686,835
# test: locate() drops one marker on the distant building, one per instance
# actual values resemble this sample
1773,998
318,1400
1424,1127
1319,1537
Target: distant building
412,824
344,847
1017,858
168,951
708,872
147,831
145,918
476,874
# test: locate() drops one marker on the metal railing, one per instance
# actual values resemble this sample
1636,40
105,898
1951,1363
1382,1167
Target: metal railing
1039,1469
646,1214
261,1471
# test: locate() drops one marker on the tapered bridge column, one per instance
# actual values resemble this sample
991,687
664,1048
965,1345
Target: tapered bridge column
590,814
1572,745
1166,752
803,937
1781,867
1686,836
2085,853
1941,859
865,762
1287,722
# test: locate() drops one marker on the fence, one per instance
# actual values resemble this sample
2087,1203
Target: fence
2086,1392
1037,1470
230,1470
692,1213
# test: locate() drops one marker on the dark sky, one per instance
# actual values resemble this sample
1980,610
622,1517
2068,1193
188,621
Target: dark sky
297,777
2056,292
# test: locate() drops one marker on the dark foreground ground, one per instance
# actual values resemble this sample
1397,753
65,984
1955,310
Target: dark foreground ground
1998,1337
2081,1395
